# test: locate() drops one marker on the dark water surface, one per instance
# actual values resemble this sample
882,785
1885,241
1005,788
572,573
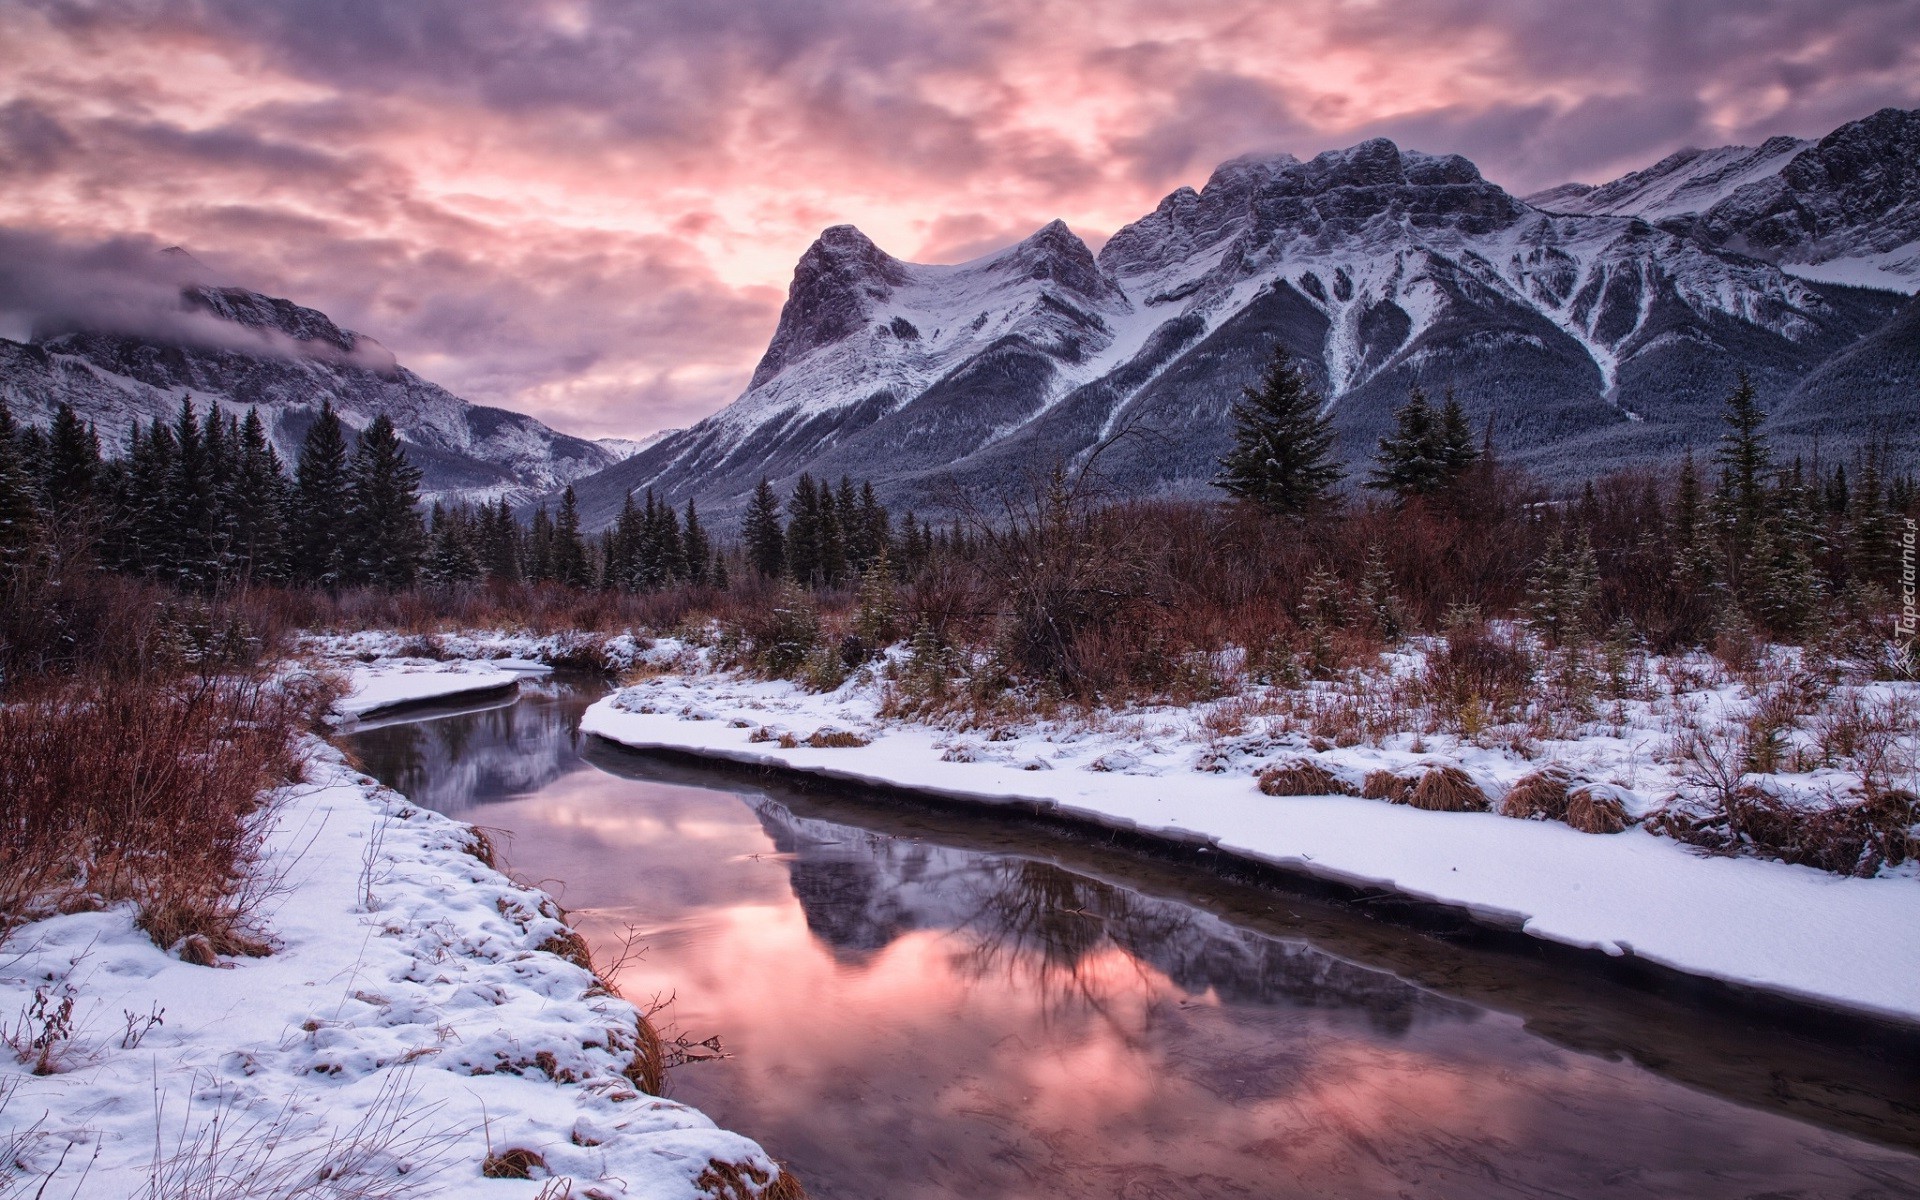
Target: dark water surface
924,1004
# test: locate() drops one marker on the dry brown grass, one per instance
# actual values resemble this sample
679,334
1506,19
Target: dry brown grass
1447,788
515,1163
1386,785
722,1180
1593,808
1541,795
837,739
571,946
1303,777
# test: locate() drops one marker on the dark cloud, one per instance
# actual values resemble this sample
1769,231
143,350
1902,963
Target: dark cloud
587,209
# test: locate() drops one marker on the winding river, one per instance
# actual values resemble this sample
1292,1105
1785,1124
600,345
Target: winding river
919,1004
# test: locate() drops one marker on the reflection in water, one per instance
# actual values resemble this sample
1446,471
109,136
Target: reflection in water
925,1007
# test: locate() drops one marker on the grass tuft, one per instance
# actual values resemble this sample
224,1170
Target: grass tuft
1447,788
1303,777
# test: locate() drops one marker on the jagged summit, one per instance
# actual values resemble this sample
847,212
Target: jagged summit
1590,326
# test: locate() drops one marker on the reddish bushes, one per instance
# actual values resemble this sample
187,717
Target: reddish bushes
142,790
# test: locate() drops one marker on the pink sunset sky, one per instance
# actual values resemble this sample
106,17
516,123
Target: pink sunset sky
589,211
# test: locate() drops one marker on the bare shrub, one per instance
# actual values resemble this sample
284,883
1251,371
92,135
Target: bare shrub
1541,795
1855,838
1447,788
168,819
1476,676
1303,777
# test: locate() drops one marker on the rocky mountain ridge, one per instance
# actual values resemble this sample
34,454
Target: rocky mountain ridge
1591,327
270,353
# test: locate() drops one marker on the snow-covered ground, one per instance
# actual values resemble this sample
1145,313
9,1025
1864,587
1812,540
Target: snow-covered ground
1190,774
394,683
407,1023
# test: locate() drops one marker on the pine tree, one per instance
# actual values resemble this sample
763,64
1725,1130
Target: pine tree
1561,591
1872,553
385,541
259,496
1745,463
191,556
1457,452
699,550
1690,536
1282,456
875,536
73,463
323,494
765,537
629,535
19,518
1413,460
569,548
538,558
452,558
803,532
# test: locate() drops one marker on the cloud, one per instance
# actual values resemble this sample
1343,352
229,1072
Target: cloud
588,209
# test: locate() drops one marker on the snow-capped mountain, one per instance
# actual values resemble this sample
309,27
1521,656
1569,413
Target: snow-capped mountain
258,351
1587,337
1845,208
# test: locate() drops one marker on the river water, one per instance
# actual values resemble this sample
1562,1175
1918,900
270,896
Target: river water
920,1004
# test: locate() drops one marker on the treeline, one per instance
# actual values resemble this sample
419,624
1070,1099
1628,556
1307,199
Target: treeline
204,500
1757,542
200,501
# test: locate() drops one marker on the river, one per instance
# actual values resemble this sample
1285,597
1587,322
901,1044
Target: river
919,1004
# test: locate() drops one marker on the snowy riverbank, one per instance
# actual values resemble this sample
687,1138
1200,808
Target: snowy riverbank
416,1015
1848,943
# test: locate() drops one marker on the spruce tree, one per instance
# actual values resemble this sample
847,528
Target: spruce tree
1745,463
1282,456
629,537
699,550
191,557
570,564
538,558
1412,461
73,463
803,532
452,558
259,498
1561,591
500,543
1457,451
385,541
19,517
1872,550
323,494
763,533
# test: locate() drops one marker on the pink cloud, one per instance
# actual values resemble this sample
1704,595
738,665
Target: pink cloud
589,211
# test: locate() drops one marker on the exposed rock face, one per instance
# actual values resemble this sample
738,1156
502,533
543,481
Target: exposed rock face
285,360
1593,327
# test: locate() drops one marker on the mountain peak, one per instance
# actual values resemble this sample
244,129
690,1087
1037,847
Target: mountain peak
834,285
1055,252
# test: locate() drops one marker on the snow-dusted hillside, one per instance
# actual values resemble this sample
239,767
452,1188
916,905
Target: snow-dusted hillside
286,360
1845,208
1591,327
